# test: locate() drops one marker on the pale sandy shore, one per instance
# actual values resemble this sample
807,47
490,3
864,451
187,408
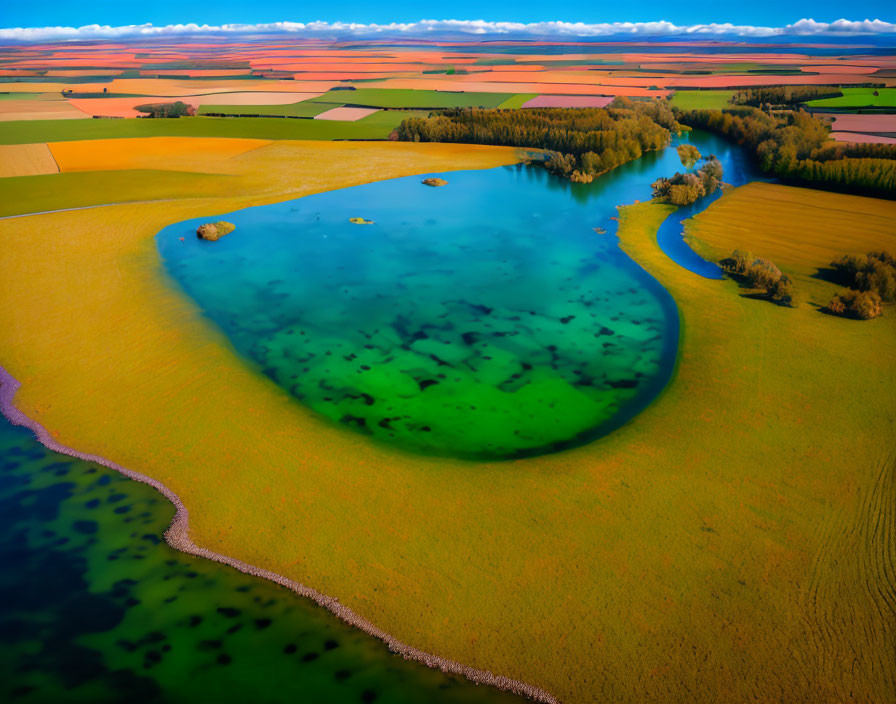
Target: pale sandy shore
178,537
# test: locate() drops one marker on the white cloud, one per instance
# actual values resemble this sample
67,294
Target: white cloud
454,27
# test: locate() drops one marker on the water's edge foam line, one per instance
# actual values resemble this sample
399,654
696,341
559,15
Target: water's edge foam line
177,536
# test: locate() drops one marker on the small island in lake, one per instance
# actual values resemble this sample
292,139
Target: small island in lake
213,231
360,221
434,182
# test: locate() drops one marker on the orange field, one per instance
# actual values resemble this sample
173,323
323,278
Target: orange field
193,154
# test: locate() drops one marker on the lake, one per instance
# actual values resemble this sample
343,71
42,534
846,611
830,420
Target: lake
492,317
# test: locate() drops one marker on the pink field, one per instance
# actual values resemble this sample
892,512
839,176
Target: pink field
856,138
115,107
569,101
864,123
346,114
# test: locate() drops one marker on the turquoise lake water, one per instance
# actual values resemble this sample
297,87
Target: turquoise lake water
492,317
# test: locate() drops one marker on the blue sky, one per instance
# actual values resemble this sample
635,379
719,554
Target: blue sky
115,12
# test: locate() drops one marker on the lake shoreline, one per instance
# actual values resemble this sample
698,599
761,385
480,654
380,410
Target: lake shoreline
177,536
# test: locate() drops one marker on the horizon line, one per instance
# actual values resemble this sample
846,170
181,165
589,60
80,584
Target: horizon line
474,28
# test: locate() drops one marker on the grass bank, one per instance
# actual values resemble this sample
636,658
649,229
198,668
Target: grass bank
729,544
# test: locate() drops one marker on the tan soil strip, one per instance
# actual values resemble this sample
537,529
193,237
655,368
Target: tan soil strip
178,537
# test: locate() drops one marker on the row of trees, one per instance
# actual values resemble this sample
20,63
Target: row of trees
761,274
796,147
581,142
777,96
875,271
685,188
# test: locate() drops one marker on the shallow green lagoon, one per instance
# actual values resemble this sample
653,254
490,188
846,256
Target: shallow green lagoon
485,318
95,609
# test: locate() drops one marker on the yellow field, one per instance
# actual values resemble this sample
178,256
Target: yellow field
727,545
800,229
197,154
26,160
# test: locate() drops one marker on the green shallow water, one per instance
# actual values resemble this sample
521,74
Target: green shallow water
96,609
485,318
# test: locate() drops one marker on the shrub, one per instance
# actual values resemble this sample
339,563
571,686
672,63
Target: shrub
863,305
875,272
684,189
762,274
687,191
737,263
689,155
782,292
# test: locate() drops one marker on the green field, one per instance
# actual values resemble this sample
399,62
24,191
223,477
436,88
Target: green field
29,96
702,99
407,98
517,101
859,98
376,126
34,194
